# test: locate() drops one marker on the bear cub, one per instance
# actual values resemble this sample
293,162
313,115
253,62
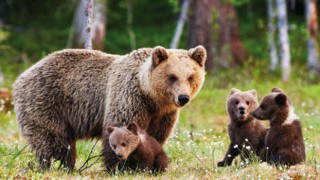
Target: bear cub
284,140
135,149
245,132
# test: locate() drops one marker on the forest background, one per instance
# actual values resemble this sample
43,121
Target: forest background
251,44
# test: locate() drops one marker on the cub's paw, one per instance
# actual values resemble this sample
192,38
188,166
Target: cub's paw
222,164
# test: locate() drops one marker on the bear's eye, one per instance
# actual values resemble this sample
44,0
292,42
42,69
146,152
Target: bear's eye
123,144
237,102
247,102
114,146
172,78
190,79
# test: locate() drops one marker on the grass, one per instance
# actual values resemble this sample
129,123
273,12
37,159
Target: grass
200,138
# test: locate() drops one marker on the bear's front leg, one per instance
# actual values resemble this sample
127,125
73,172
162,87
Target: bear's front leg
110,158
161,128
232,152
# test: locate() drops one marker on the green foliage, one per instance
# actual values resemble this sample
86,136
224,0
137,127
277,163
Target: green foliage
200,138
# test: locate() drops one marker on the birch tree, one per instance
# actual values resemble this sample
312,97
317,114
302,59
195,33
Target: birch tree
89,16
312,25
77,35
179,28
283,39
272,47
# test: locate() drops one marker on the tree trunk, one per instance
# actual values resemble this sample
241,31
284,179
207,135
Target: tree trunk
77,36
183,16
229,48
283,39
312,25
199,30
272,47
89,16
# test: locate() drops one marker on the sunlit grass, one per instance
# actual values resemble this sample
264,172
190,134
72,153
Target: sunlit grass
200,138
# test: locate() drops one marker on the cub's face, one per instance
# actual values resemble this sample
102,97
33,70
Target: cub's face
272,105
241,104
177,75
123,141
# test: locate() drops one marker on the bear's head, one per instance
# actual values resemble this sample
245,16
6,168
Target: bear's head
124,140
274,107
241,104
174,76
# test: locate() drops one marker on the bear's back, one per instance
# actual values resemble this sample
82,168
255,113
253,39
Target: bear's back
66,86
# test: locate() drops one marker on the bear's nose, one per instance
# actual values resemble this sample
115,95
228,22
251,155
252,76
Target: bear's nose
119,156
183,99
241,108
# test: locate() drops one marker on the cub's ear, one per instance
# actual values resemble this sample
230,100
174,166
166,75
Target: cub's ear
253,92
281,99
133,127
233,90
159,54
199,54
277,90
110,129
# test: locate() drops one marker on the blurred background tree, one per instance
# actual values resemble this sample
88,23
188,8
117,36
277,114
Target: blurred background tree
235,33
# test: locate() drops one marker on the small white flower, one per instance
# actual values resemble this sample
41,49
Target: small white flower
229,155
267,147
246,140
235,146
248,147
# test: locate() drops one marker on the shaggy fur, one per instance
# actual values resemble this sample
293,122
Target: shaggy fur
284,141
136,149
244,130
73,94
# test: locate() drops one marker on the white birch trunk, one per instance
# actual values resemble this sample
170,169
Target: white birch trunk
89,16
272,47
179,28
312,26
283,39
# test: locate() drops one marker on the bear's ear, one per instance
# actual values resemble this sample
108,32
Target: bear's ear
133,127
199,54
281,99
277,90
110,129
233,90
253,92
159,54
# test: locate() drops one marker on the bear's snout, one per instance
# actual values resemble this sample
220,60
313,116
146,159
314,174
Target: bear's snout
119,156
183,99
241,109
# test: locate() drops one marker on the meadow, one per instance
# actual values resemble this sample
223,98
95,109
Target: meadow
200,138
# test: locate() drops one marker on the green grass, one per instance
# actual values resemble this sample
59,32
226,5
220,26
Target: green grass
200,138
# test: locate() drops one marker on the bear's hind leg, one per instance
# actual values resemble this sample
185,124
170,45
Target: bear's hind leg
51,148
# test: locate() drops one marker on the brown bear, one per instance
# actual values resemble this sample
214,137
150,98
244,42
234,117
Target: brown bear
74,94
284,140
136,149
245,132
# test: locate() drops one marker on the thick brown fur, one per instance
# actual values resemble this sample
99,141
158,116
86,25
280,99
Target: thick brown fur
136,149
284,140
245,132
74,94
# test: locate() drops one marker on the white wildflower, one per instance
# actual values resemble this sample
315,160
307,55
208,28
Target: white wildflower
235,146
